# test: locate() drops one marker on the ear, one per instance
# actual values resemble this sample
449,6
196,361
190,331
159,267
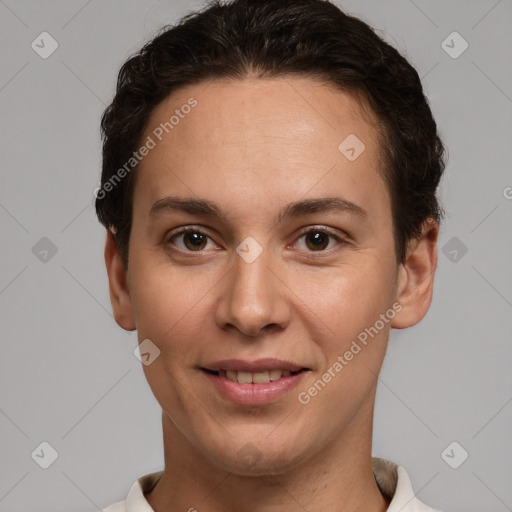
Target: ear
416,277
118,285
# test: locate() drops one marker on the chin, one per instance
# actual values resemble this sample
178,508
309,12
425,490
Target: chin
253,458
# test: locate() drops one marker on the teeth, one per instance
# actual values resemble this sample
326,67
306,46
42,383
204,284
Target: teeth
260,377
275,375
244,377
256,378
230,375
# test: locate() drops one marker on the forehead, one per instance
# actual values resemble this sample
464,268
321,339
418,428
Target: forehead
253,109
286,134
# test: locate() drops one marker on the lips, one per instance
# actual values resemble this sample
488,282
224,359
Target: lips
261,371
254,383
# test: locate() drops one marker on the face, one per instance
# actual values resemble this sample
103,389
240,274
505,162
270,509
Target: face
288,259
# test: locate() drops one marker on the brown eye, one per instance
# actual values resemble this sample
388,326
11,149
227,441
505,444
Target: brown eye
317,240
190,240
194,241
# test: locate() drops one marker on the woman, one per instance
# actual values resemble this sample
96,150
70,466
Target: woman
269,192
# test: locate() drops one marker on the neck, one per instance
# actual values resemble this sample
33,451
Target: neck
339,476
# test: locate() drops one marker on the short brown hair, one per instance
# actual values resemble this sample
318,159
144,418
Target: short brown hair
271,38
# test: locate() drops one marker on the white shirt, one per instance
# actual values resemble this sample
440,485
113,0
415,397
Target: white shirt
392,479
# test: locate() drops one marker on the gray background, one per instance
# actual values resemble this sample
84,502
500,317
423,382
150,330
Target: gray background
68,375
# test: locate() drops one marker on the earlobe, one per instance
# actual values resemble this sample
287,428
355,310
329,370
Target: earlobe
416,277
118,285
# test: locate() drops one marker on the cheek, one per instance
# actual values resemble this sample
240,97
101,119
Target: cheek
348,299
171,309
354,345
169,304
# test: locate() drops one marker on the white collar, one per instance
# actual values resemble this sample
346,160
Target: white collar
395,484
392,479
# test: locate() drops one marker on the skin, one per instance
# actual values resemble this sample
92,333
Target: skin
252,146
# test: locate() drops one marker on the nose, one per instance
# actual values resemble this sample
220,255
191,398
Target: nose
253,299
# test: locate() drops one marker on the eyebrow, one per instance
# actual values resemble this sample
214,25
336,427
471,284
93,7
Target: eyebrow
209,208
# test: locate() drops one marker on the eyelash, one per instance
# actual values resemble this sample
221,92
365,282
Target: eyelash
312,229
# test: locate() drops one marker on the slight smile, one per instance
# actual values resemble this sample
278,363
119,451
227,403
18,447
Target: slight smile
254,382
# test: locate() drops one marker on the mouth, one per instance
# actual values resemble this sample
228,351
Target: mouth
260,377
254,382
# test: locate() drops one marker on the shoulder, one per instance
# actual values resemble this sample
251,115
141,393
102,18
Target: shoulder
119,506
405,498
395,485
136,500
